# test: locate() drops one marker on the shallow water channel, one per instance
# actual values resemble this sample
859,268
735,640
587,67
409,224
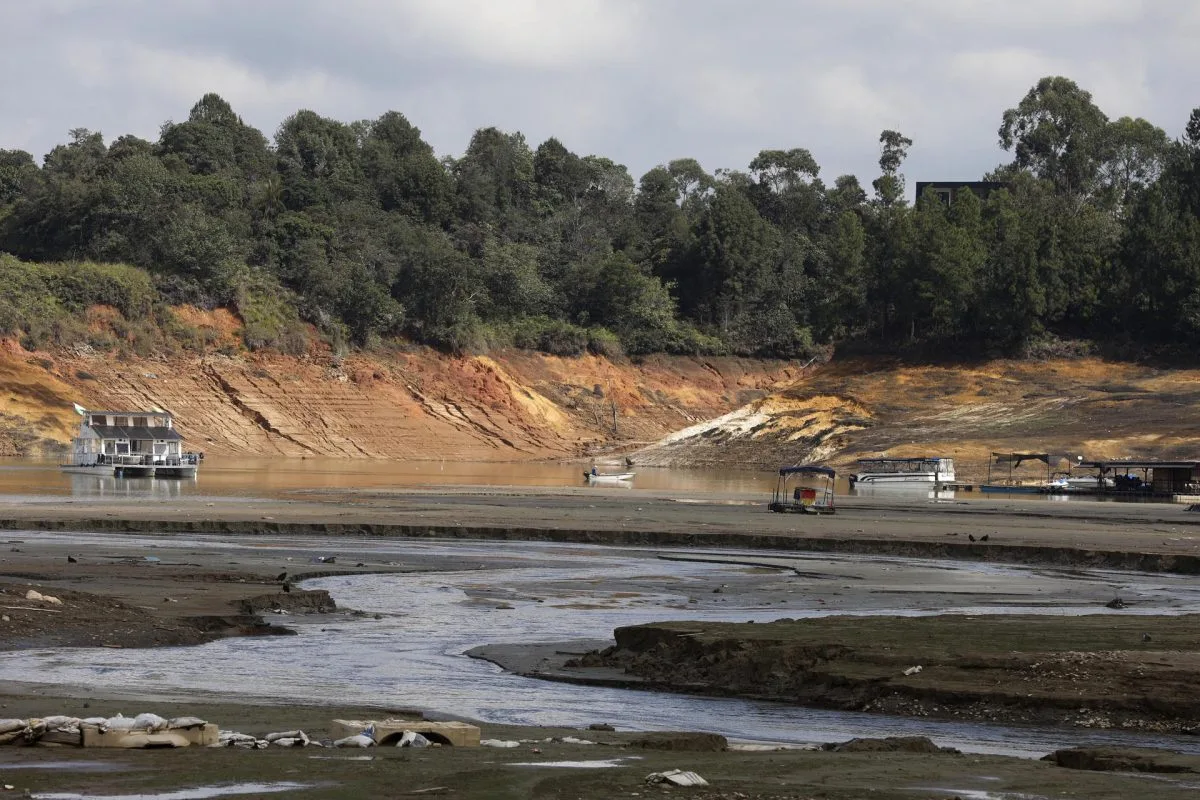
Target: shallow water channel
478,593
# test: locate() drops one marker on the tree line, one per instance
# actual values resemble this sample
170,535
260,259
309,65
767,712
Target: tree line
362,231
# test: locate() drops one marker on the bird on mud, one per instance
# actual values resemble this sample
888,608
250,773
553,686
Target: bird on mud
971,537
72,559
287,587
983,538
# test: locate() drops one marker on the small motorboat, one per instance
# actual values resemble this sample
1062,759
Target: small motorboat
608,477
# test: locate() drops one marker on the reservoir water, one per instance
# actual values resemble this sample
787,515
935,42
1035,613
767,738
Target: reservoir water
273,477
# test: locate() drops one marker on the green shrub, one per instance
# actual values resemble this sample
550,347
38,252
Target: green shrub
26,302
268,313
549,336
78,285
604,342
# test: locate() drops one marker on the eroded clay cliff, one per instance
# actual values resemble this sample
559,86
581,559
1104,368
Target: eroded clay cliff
413,404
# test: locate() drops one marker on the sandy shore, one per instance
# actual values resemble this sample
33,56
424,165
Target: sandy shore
213,593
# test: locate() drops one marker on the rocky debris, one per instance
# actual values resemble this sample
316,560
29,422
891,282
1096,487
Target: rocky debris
685,741
37,596
1006,676
676,777
890,744
1124,759
310,601
143,730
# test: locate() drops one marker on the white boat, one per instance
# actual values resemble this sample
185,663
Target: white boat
608,477
1080,483
127,444
926,469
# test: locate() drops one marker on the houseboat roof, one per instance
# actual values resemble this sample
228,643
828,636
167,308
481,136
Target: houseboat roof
128,413
135,434
918,460
1135,464
1017,459
807,468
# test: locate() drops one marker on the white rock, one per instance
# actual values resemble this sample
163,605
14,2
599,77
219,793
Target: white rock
149,722
186,722
412,739
676,777
358,740
60,723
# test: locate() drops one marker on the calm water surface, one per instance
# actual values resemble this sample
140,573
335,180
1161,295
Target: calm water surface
272,477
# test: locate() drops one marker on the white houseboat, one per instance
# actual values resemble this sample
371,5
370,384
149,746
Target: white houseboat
130,444
926,469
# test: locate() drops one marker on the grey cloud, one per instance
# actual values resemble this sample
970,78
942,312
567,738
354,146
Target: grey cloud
641,82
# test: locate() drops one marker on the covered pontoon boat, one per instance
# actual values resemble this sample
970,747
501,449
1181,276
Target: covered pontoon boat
806,489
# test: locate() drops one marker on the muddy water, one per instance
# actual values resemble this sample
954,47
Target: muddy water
412,655
267,477
264,477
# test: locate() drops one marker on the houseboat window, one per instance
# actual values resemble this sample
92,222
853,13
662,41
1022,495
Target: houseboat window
121,422
139,422
99,419
122,448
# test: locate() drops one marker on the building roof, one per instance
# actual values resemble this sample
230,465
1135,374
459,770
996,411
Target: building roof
807,468
1016,459
129,413
131,433
1134,464
916,460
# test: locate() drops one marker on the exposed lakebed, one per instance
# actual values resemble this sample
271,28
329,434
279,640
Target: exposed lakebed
479,593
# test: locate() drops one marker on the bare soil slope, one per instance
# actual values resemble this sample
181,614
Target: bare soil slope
856,408
412,404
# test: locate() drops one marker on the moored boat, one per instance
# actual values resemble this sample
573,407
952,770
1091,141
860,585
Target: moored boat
608,477
926,469
130,444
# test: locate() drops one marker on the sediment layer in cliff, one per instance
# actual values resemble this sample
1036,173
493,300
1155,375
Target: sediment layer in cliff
858,408
406,404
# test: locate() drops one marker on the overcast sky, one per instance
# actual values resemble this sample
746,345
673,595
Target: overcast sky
639,81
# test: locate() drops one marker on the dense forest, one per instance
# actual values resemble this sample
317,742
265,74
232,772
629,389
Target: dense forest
360,230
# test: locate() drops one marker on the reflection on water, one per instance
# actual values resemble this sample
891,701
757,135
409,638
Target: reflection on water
267,477
109,486
231,476
901,490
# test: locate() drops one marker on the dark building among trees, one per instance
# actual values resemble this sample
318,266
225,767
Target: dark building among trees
946,191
